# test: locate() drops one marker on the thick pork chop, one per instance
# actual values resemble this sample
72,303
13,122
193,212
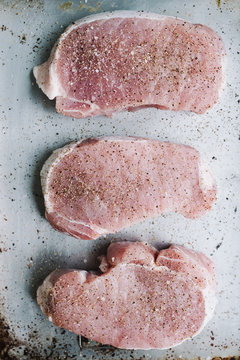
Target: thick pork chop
144,299
124,60
102,185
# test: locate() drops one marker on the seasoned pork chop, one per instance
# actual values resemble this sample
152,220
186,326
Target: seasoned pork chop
124,60
103,185
145,299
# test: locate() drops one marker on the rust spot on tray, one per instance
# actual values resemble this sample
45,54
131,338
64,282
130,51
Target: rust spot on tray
66,5
90,8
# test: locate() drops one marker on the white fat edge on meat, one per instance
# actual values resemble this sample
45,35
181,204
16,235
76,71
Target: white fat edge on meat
224,80
93,106
73,232
46,74
93,227
47,286
112,15
48,167
44,290
210,304
42,295
206,180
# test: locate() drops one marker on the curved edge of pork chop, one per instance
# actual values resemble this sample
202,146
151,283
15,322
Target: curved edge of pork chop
89,231
46,74
203,273
59,223
143,254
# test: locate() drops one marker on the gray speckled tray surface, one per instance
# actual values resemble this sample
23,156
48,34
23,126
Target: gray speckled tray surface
31,129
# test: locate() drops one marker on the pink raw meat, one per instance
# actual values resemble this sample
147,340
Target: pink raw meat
124,60
145,299
102,185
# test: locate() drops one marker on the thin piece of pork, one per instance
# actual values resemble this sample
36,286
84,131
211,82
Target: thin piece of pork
102,185
124,60
144,299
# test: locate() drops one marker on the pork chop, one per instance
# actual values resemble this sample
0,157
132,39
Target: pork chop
145,299
124,60
102,185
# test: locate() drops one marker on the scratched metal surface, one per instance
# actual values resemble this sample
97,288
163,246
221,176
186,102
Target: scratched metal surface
31,129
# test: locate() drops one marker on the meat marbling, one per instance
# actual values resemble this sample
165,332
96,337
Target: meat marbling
144,299
102,185
123,60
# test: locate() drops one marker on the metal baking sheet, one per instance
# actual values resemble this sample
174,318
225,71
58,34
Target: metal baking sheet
31,129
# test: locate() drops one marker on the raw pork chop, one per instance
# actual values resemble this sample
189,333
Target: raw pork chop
103,185
144,299
124,60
